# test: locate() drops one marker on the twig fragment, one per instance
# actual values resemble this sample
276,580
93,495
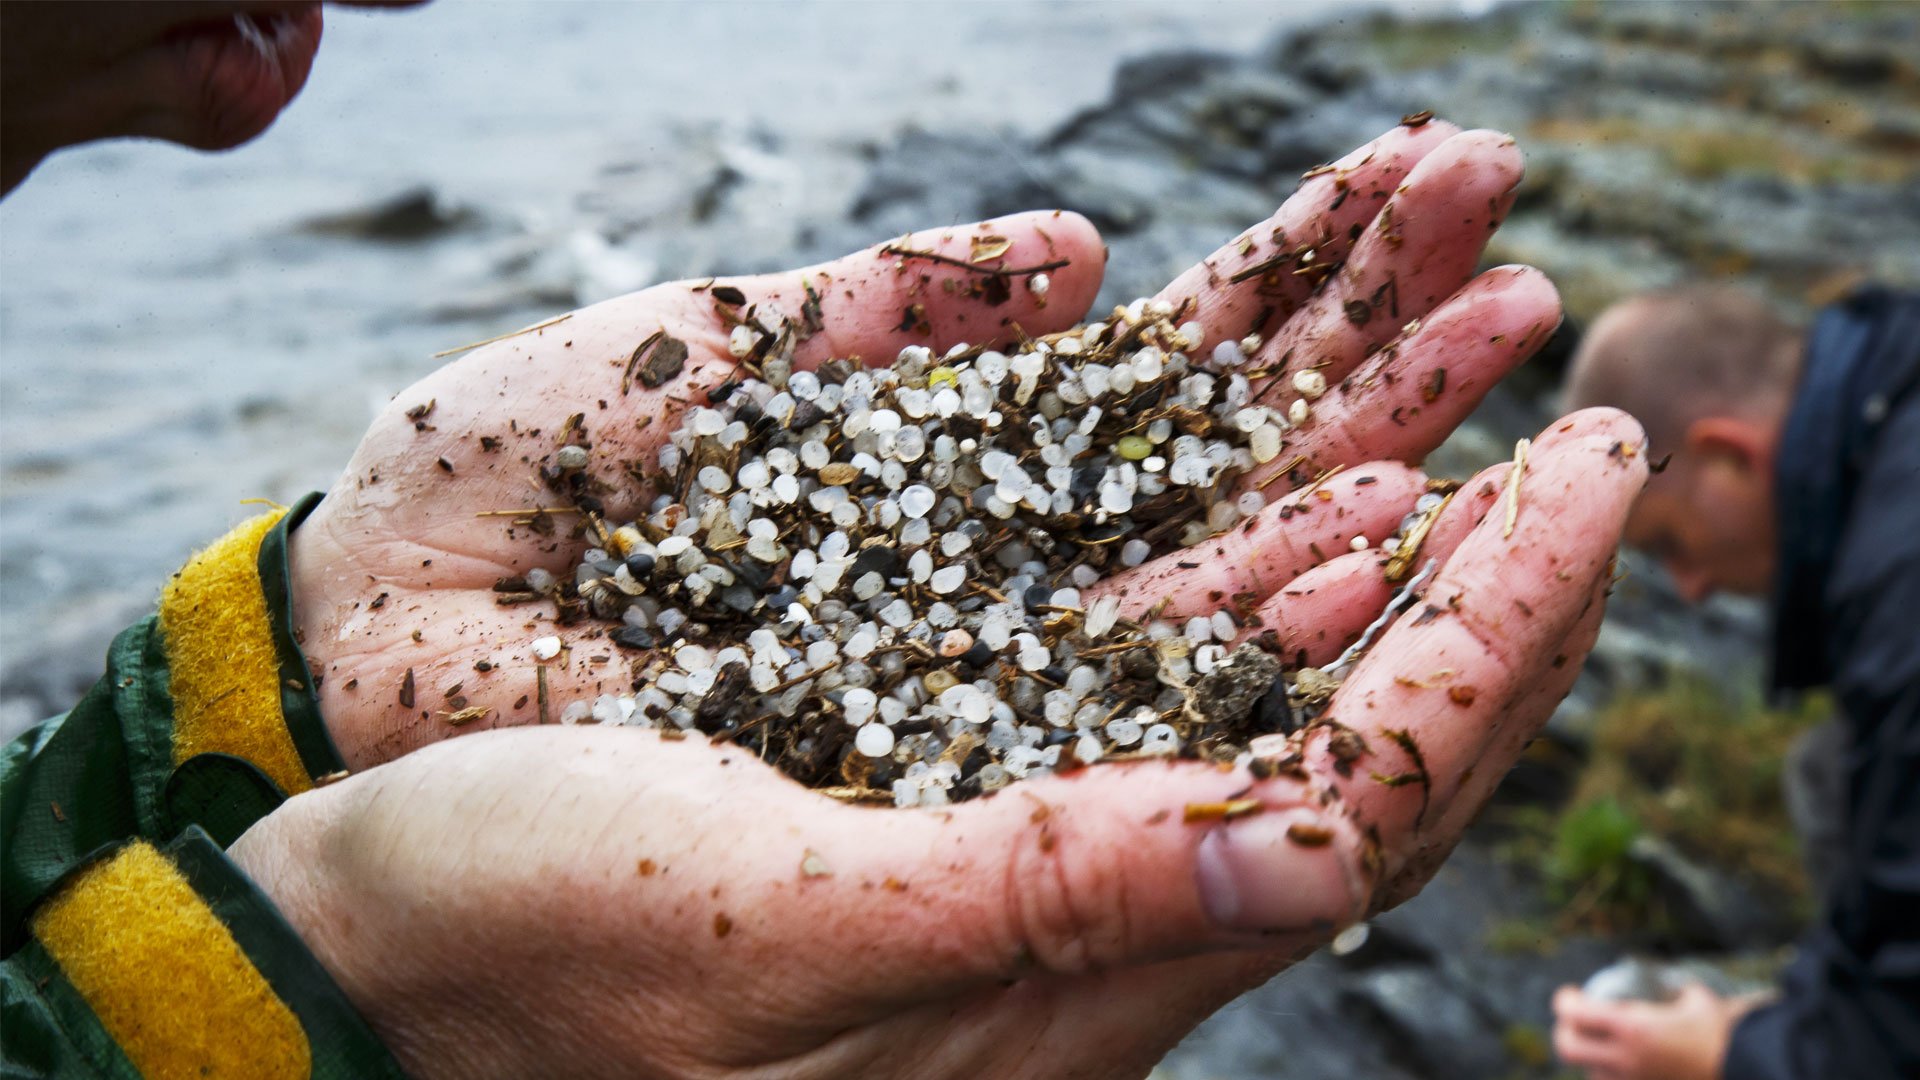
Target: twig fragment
542,325
1513,485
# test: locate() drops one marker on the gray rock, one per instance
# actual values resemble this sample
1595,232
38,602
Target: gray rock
411,216
1430,1028
1706,907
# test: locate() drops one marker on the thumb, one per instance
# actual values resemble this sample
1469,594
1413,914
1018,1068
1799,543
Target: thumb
1696,994
1101,868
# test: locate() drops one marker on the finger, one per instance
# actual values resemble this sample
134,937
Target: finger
1592,1017
1575,1049
1465,510
1511,734
1566,998
1507,737
1260,278
1697,995
1317,615
1429,699
1410,395
1311,619
1277,544
1033,273
1421,249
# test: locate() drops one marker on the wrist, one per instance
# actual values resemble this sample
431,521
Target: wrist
313,558
282,854
414,958
324,587
290,857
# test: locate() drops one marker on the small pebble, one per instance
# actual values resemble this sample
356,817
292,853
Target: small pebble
874,740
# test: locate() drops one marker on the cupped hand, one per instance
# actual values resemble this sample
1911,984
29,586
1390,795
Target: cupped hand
1364,277
1682,1039
610,901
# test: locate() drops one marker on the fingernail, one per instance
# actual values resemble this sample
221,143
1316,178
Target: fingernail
1283,870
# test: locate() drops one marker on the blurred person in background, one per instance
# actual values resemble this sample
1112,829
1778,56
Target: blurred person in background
1795,474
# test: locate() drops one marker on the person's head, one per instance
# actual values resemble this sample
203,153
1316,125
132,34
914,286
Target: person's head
1710,372
210,74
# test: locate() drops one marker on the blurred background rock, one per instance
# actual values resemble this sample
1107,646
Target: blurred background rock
180,332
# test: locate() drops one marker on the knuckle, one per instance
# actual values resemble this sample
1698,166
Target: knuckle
1067,909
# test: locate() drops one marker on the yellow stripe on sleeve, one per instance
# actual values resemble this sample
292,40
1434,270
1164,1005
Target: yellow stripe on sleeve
165,976
225,673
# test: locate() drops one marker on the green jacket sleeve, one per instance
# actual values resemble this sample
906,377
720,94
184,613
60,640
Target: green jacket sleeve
201,978
205,721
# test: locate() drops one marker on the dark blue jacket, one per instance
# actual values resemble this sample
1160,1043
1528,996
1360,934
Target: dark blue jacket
1847,614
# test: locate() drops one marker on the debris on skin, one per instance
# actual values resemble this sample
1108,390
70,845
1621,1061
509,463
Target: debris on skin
1311,836
662,361
1514,476
1221,811
882,580
1346,746
1418,775
1413,533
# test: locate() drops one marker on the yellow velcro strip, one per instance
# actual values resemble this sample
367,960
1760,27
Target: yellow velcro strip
165,976
224,670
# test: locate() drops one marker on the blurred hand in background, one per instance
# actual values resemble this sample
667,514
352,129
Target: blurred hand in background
1682,1039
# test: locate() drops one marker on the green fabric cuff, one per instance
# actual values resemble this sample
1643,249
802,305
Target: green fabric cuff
52,1031
224,794
103,772
299,697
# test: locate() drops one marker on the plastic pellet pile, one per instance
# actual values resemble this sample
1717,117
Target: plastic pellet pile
883,579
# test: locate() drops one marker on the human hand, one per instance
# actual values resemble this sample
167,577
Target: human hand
608,901
209,74
1682,1039
393,573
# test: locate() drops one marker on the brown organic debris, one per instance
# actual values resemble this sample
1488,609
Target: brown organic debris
1220,811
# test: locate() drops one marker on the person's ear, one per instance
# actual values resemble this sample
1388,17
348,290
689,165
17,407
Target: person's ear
1739,442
